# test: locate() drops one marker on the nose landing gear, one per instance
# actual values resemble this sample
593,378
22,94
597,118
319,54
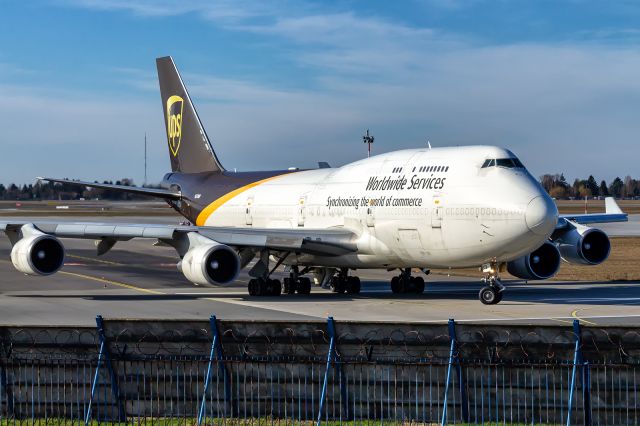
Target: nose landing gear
405,283
491,293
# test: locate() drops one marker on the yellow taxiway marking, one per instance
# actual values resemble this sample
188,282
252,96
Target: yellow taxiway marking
106,262
116,283
575,315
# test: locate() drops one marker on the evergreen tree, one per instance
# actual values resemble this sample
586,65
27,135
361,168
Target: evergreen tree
616,187
593,186
604,191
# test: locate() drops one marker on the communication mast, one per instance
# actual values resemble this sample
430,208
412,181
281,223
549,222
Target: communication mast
368,139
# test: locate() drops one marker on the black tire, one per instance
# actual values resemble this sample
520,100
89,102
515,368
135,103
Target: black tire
353,285
489,296
418,285
335,284
396,285
304,285
253,287
275,288
290,286
499,297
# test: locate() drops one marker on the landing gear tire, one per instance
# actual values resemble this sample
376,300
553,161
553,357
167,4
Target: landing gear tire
396,285
338,285
304,285
353,285
490,295
418,285
403,284
262,287
290,286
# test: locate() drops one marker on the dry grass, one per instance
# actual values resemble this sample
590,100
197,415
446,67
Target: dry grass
595,206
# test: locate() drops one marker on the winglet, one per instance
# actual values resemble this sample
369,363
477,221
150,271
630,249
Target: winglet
611,207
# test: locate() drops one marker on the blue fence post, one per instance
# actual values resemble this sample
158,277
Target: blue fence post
455,359
331,357
577,360
216,354
104,357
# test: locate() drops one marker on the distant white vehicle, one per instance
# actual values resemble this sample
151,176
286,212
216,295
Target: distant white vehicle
419,208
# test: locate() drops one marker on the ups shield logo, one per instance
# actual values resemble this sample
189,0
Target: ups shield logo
174,123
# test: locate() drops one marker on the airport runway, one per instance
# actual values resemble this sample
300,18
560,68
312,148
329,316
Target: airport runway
137,280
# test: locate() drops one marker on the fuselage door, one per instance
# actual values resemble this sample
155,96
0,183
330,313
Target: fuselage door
302,210
249,211
436,216
370,216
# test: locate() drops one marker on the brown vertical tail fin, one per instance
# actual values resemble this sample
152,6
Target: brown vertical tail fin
190,150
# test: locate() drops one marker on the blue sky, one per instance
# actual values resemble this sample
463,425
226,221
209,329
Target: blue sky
290,83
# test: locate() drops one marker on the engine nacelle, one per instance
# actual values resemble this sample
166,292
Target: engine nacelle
37,253
213,263
584,245
540,264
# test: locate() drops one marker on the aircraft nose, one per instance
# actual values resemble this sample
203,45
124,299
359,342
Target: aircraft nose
541,215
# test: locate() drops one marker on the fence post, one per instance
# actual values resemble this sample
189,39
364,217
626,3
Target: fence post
103,356
577,359
455,359
216,354
332,357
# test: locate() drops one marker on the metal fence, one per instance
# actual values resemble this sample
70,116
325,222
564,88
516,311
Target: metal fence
254,373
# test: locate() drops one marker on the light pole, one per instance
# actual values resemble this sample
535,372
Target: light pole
368,139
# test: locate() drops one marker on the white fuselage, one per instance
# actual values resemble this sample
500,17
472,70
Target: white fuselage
412,208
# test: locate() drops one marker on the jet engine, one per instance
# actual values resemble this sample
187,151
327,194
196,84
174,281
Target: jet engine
212,263
37,253
584,245
540,264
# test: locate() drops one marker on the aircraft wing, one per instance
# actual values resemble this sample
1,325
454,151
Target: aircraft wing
327,242
613,213
151,192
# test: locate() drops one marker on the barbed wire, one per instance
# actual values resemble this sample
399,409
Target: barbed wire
364,342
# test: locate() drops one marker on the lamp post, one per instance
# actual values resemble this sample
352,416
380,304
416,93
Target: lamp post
368,139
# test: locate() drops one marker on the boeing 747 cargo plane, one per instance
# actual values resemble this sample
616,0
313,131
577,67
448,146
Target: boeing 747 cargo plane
473,206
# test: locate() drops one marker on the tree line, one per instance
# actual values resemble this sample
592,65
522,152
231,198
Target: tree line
555,184
66,191
558,187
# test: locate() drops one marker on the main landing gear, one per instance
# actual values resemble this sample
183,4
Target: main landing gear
294,283
343,283
405,283
491,293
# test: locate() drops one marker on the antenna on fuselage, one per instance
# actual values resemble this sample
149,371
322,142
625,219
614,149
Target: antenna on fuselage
429,144
368,139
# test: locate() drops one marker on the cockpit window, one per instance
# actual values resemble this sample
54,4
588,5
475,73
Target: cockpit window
505,162
509,163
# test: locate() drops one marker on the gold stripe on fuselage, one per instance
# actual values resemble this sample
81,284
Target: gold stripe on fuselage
208,211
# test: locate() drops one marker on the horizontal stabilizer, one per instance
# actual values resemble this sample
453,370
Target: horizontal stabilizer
151,192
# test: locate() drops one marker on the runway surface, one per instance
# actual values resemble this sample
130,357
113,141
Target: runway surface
137,280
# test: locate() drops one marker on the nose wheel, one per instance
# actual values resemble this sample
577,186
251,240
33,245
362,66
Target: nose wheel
491,293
